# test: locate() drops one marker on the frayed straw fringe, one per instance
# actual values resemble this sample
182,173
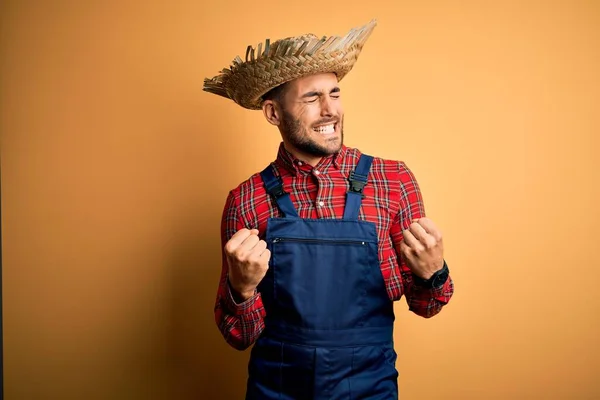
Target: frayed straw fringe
245,82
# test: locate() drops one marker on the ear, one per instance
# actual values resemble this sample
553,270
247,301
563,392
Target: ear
271,112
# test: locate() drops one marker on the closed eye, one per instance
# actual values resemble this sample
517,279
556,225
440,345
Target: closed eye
335,93
312,97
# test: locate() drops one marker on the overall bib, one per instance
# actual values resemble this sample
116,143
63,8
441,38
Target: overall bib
329,320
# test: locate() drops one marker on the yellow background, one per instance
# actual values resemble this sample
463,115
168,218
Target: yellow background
115,169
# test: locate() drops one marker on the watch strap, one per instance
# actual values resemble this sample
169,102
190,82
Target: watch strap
436,280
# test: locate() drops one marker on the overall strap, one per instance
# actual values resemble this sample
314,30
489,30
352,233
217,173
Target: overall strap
274,187
358,180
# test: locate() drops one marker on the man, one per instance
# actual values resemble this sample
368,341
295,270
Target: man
318,246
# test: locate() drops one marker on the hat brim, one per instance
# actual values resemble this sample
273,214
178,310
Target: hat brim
246,82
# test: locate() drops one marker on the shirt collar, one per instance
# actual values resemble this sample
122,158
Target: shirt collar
293,165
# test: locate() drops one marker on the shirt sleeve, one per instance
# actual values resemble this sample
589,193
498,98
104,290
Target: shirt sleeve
425,302
240,323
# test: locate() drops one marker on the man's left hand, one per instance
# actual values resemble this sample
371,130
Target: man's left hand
423,248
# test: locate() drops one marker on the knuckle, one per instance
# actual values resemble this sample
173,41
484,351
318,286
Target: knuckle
240,255
229,248
254,258
241,233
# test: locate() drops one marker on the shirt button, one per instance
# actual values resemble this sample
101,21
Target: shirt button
300,163
321,204
317,172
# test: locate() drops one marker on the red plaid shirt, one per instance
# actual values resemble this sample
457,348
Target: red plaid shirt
392,200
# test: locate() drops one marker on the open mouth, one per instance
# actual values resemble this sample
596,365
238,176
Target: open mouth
326,129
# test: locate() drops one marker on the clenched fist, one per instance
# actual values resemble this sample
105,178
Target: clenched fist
248,260
423,248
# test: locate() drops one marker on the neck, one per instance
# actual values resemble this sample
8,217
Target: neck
306,158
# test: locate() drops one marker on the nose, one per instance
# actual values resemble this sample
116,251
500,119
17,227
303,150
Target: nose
327,107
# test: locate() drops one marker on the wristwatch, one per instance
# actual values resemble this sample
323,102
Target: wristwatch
436,281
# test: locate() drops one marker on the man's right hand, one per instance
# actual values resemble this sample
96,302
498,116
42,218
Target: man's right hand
248,260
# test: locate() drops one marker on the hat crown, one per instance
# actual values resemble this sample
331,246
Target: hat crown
265,68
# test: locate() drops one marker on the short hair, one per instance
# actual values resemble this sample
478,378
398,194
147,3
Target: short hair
276,94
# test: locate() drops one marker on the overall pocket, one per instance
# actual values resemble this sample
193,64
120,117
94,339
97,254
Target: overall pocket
320,283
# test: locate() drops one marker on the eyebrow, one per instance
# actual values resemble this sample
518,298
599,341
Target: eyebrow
316,93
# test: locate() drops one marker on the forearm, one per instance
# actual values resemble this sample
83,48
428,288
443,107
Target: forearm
427,302
423,301
240,323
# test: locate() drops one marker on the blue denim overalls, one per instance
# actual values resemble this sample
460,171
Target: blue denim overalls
329,320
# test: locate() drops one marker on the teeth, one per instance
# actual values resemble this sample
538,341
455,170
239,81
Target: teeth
325,128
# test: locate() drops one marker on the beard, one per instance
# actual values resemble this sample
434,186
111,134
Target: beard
300,138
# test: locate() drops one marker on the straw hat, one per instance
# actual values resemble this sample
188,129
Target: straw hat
245,82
